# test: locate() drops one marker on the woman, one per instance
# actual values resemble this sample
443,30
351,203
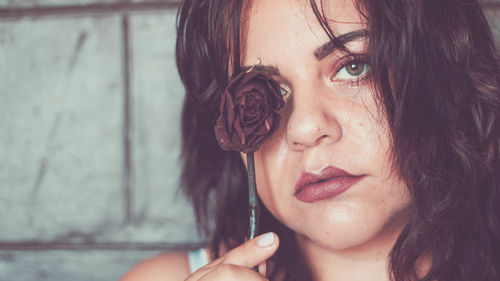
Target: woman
394,103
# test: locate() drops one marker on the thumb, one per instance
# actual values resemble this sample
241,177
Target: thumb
253,252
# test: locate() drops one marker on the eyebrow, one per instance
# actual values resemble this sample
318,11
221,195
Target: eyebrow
320,53
329,47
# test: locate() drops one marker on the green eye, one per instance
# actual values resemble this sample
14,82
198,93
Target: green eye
351,70
355,69
283,91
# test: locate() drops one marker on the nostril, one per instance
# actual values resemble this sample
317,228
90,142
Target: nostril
298,146
322,138
307,129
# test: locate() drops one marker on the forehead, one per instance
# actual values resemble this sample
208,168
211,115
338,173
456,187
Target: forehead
272,28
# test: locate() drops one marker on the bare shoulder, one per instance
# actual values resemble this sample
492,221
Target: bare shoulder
170,266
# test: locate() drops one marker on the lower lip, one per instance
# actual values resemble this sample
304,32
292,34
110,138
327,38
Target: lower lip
327,189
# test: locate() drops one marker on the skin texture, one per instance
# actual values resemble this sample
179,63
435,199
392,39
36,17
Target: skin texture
330,117
236,264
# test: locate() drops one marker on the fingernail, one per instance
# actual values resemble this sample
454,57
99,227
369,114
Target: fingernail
261,268
266,240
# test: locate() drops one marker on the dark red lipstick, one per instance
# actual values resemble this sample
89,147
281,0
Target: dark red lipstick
328,182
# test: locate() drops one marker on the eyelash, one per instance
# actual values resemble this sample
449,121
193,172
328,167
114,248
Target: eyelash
352,59
344,62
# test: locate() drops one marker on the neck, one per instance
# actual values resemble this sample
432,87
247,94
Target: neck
366,261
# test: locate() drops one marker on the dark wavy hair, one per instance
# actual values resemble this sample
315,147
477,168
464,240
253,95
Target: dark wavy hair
436,72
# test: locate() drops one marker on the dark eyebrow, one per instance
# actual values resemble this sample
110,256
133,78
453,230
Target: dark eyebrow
331,46
319,53
264,69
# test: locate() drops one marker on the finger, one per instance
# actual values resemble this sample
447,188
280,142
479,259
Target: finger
263,268
249,254
253,252
231,272
198,274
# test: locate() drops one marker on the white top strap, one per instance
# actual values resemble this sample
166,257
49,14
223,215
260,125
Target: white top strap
197,259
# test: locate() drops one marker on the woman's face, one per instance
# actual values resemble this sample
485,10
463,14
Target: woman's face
326,172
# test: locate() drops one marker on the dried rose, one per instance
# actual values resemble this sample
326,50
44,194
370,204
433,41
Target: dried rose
248,112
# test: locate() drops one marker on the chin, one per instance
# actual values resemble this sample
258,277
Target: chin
353,228
341,240
342,236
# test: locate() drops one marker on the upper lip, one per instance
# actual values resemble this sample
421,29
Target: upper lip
326,173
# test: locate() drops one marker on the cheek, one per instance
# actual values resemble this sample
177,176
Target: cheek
384,199
266,172
379,212
273,173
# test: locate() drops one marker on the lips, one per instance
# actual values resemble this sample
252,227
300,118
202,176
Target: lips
328,182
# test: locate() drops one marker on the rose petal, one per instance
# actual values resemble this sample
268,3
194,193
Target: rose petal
248,112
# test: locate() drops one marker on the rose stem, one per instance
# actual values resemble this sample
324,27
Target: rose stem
252,198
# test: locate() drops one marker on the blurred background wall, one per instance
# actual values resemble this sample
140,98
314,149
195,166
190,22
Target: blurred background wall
89,143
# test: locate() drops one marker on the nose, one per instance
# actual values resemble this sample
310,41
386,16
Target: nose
312,120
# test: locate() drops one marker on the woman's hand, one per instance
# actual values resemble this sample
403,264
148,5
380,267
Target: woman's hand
237,264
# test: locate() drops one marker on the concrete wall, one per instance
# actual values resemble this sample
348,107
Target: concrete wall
90,102
89,110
